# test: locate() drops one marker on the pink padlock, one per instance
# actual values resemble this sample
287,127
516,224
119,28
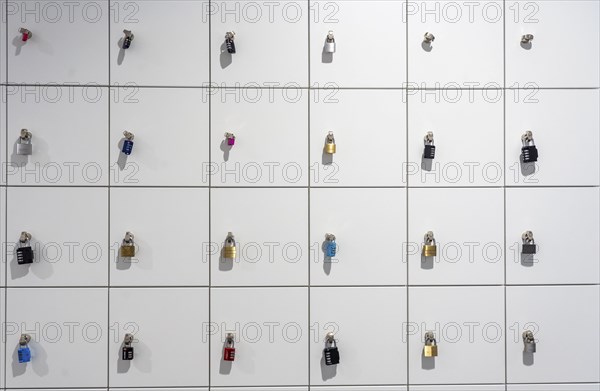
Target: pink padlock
230,139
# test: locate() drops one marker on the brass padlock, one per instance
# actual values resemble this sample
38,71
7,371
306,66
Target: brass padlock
429,246
127,246
430,349
330,144
229,250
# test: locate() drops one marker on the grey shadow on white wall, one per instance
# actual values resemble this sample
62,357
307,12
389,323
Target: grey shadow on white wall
526,46
326,158
122,160
225,366
426,164
528,359
123,366
527,260
225,264
38,363
426,46
327,371
40,45
427,363
121,55
18,160
326,58
327,261
225,59
427,262
40,267
225,148
527,168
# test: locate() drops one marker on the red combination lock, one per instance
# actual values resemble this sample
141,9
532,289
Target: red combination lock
229,350
25,34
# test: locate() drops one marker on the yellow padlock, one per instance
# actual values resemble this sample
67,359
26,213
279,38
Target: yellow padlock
429,245
330,144
127,249
430,349
229,250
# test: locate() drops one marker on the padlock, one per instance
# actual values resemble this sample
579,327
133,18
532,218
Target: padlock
229,349
527,38
528,342
229,37
331,354
25,34
330,43
24,252
229,250
429,245
127,249
428,38
128,38
127,143
330,245
429,151
230,139
529,152
24,146
24,353
430,349
330,144
127,349
529,246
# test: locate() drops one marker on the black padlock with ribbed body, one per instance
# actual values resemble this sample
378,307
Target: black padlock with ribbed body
24,255
529,152
331,353
429,152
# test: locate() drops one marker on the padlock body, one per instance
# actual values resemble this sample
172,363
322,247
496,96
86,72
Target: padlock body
24,255
229,252
429,152
127,353
330,148
331,355
429,250
529,348
126,42
329,47
24,149
230,45
430,350
127,147
24,354
229,354
330,248
529,248
230,141
529,153
127,251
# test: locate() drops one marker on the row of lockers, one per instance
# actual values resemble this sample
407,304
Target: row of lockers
181,43
478,140
77,333
458,387
277,244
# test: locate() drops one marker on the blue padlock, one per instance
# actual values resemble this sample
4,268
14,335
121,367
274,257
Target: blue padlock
127,143
24,353
330,245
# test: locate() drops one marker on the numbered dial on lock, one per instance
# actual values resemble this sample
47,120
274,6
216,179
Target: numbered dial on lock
24,146
229,349
127,39
529,152
430,349
331,354
24,353
24,252
229,44
330,245
429,150
127,349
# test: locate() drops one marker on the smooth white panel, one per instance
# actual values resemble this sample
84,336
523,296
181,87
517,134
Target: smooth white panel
467,128
68,43
553,59
171,236
553,387
3,238
565,126
170,348
271,42
553,314
271,130
263,388
69,229
271,230
170,44
367,54
361,259
65,152
3,339
268,322
467,50
3,147
553,215
370,138
468,227
3,44
368,355
469,326
359,388
171,137
68,337
461,387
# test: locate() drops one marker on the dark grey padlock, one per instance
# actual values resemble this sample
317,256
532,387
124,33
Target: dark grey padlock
429,151
529,246
331,352
529,152
24,146
24,252
127,349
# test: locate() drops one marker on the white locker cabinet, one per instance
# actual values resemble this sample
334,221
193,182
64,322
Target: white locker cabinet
565,225
359,388
3,339
467,48
171,136
370,139
368,324
468,323
378,260
564,321
468,227
553,58
270,327
163,389
3,51
68,42
270,227
169,47
565,126
263,388
167,323
460,387
170,228
3,149
68,228
68,337
68,152
371,55
270,128
553,387
467,130
271,43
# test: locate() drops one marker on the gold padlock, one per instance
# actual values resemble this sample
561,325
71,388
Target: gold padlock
330,144
229,250
430,349
429,246
127,246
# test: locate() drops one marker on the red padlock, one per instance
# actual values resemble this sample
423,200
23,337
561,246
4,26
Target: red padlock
229,350
25,34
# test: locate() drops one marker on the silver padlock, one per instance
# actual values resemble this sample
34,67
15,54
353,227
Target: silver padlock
24,146
330,43
529,342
